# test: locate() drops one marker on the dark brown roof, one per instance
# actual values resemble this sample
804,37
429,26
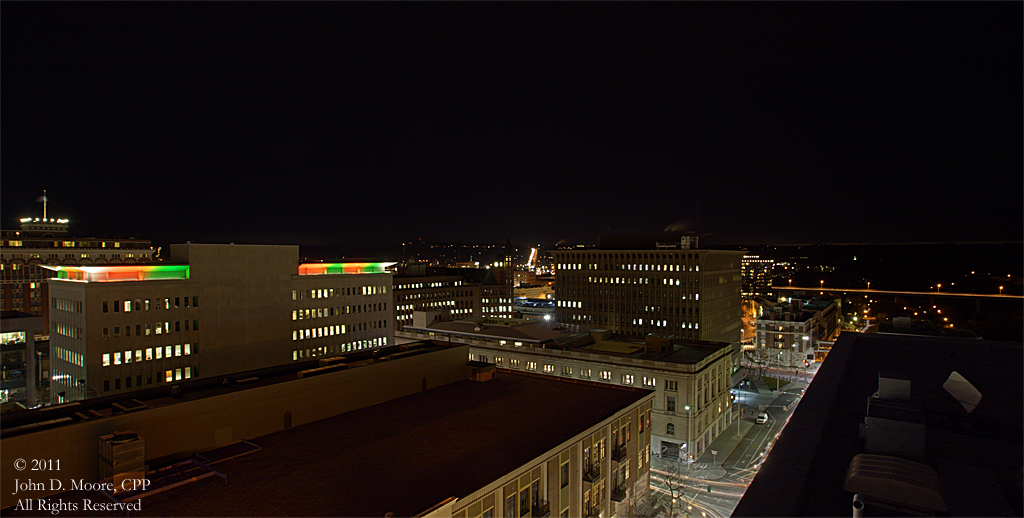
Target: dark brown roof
403,456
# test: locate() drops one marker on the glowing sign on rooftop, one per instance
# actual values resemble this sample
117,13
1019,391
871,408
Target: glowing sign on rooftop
347,268
116,273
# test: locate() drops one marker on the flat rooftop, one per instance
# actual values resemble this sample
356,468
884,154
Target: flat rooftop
977,455
403,456
511,329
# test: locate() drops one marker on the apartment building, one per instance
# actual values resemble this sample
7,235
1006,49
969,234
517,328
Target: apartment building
23,279
652,283
795,328
211,310
690,379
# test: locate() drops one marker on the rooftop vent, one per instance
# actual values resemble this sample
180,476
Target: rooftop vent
130,405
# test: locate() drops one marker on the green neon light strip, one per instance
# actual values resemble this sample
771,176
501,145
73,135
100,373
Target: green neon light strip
128,272
342,268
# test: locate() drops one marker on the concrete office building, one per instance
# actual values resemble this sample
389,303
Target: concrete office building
211,310
457,292
635,285
23,279
368,438
682,373
795,328
757,274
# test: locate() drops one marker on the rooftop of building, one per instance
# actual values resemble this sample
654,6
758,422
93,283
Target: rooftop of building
403,456
925,330
977,454
537,332
29,421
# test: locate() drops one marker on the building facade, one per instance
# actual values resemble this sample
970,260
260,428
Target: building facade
23,280
215,310
458,292
795,329
687,293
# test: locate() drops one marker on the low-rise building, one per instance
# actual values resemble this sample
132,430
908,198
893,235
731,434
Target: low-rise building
415,431
691,379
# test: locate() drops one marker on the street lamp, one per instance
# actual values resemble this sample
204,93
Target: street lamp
1000,290
940,287
822,284
791,282
869,285
689,436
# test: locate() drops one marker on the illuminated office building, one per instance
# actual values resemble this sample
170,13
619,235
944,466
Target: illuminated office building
211,310
635,285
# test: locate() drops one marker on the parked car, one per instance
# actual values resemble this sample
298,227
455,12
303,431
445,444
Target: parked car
762,418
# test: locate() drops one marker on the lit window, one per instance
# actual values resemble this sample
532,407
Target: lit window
106,359
177,374
177,350
167,351
188,349
117,358
169,376
188,372
149,354
159,352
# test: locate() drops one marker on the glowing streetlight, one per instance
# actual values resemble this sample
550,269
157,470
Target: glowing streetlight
791,282
869,285
689,436
939,287
1000,290
822,284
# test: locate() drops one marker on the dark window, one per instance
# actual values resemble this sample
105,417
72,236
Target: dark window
149,379
177,302
564,475
117,305
106,385
138,380
195,301
117,381
128,382
177,325
105,306
195,324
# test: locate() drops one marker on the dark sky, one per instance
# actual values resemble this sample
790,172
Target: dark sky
374,123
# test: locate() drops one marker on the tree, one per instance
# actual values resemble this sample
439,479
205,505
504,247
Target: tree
641,503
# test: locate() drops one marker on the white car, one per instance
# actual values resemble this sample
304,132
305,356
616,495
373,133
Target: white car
762,418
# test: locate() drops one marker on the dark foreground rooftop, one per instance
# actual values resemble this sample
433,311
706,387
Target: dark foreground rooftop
977,455
403,456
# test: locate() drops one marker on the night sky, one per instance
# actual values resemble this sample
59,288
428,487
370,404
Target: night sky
377,123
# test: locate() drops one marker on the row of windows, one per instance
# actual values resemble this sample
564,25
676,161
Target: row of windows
147,304
320,332
326,293
628,267
70,356
169,376
358,345
151,329
73,306
66,330
304,314
157,353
